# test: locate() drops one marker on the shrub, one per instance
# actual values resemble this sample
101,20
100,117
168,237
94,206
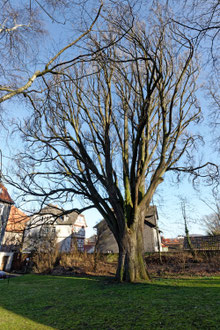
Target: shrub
46,254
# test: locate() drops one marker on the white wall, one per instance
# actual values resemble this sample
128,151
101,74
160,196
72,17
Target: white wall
64,234
151,240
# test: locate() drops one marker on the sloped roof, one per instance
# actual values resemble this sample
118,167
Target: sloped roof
53,210
17,220
151,216
70,219
101,224
4,195
46,215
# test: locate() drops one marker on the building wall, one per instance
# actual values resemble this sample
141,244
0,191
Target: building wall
4,214
107,244
151,240
6,259
64,233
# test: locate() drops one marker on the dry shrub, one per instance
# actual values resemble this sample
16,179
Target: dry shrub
47,259
45,262
78,262
46,254
71,260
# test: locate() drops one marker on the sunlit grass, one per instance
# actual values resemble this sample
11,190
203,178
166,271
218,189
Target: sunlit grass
10,320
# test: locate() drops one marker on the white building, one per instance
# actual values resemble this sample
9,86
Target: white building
69,229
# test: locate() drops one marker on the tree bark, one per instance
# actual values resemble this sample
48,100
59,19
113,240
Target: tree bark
131,264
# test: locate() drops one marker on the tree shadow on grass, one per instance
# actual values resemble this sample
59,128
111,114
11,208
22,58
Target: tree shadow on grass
92,302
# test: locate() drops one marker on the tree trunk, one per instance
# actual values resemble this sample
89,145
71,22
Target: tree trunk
131,265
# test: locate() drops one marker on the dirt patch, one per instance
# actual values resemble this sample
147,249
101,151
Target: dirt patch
182,263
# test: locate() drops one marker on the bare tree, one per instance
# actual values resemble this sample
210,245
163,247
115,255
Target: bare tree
23,25
111,136
212,221
186,219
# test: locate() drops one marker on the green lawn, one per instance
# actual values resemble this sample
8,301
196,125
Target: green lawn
49,302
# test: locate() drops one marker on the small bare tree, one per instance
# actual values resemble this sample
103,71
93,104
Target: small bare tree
185,218
212,221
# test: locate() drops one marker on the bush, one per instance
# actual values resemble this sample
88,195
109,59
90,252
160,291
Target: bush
46,254
79,262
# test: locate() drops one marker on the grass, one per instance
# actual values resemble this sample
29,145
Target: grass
50,302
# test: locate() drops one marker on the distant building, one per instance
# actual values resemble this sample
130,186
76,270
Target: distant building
69,229
106,242
171,244
5,206
90,243
14,231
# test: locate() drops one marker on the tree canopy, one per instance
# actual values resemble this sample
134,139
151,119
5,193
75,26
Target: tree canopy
112,106
114,125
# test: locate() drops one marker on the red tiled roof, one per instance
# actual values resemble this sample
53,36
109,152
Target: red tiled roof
4,195
16,220
171,241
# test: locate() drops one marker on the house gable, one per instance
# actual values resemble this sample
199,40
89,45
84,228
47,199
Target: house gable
12,239
17,220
